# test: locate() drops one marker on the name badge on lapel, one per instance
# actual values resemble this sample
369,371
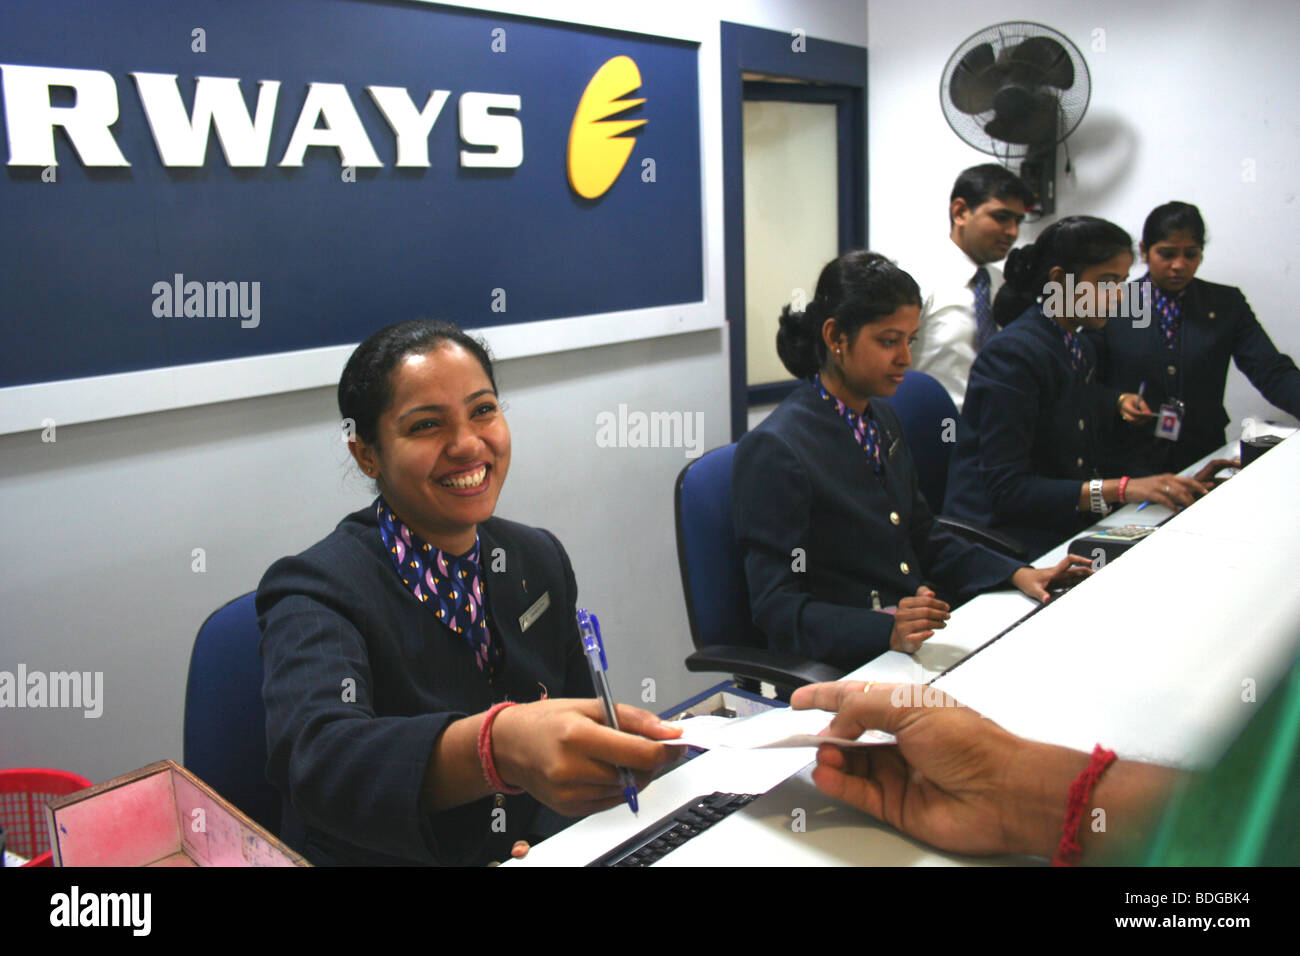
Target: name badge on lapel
529,617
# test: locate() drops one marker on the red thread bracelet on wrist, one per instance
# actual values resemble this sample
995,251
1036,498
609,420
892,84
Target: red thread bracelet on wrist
1069,851
1123,484
485,751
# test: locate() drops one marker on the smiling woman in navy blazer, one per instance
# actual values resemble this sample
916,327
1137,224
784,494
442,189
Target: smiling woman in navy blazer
393,648
839,544
1195,328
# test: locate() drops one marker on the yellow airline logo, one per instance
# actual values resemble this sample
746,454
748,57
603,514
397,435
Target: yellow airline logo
597,153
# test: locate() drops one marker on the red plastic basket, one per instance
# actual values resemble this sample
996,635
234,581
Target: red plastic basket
23,795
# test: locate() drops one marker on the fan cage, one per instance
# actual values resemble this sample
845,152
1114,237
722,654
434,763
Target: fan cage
1072,103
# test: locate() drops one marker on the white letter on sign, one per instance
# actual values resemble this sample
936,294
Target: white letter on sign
330,101
478,127
183,140
411,128
30,119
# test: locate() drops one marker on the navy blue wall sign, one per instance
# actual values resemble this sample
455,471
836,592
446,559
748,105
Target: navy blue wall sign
216,180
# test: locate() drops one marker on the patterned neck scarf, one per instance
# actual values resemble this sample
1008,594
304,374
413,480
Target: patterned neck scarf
984,325
865,430
450,586
1072,345
1169,308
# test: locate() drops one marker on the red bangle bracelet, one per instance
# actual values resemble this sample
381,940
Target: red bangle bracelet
1068,853
1123,484
485,750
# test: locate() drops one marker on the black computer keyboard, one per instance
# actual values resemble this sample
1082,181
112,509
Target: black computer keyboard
672,830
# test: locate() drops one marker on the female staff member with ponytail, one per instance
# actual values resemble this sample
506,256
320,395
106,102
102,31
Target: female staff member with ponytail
1182,353
1028,452
834,530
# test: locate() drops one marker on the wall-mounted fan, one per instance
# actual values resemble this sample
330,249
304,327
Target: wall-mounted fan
1015,90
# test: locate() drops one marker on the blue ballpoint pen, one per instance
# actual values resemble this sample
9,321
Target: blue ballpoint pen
594,649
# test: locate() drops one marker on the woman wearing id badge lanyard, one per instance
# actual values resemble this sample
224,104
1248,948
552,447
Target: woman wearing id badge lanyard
1182,354
393,648
1028,457
838,542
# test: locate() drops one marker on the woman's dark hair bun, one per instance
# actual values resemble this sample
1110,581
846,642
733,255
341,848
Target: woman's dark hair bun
857,289
1019,267
796,339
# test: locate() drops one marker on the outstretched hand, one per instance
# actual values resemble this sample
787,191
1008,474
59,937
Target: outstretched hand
944,782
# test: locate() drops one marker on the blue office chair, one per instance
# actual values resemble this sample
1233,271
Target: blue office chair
924,407
926,410
225,720
713,581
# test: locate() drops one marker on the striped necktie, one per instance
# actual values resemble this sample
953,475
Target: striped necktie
984,325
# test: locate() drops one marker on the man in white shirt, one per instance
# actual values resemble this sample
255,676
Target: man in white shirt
959,282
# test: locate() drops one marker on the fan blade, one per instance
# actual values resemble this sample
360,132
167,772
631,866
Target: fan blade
975,80
1024,118
1040,61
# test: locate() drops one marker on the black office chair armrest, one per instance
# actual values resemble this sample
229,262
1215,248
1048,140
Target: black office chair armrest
759,663
995,540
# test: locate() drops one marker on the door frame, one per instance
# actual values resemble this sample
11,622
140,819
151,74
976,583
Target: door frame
842,71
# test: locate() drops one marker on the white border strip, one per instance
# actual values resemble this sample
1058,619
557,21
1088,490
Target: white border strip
67,402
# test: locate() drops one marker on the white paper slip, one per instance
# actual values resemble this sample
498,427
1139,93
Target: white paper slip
703,732
872,738
751,733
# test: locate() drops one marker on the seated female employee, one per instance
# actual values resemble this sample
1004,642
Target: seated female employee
1182,353
827,511
391,647
1027,455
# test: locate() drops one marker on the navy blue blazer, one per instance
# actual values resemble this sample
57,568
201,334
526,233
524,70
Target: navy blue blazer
1217,324
360,680
1028,437
801,481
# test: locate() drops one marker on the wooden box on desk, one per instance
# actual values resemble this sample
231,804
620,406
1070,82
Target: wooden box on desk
159,815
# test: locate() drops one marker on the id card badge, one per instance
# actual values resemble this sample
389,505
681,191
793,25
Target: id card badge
1170,421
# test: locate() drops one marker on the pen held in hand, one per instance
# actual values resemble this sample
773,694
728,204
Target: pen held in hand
594,650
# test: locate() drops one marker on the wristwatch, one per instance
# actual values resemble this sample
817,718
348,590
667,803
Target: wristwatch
1096,498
